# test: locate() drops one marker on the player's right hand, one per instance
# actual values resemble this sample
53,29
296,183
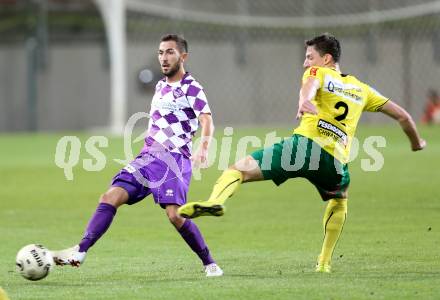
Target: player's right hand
306,107
200,158
419,146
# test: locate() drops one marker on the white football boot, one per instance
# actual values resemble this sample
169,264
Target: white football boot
213,270
70,256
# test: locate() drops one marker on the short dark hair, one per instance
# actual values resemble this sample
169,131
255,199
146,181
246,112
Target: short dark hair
326,44
181,43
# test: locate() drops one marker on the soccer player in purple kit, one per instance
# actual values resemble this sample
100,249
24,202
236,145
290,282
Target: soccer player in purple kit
163,168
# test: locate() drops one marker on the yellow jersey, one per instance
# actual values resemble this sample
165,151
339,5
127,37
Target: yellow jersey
340,101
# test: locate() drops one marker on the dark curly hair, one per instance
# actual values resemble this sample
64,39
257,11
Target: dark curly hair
326,44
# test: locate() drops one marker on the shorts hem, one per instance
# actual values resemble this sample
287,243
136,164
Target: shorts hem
164,204
129,188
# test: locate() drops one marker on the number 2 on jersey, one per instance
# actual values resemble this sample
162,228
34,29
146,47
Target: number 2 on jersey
344,113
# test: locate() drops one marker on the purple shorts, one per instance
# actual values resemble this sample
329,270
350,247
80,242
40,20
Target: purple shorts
164,174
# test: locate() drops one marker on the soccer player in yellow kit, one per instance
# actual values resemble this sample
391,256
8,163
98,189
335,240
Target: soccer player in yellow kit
330,106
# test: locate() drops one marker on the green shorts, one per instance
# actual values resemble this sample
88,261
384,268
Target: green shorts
299,156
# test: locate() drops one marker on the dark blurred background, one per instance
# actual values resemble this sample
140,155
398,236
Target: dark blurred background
56,58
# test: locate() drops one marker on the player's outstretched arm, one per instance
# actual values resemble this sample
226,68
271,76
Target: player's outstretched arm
406,122
200,158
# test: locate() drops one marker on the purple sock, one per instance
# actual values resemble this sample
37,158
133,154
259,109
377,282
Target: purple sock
98,225
192,236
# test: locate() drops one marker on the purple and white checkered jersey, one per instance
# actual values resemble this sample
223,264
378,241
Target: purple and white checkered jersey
173,115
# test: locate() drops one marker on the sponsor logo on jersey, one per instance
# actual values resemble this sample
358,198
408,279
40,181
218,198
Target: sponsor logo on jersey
328,129
347,91
159,103
313,71
177,93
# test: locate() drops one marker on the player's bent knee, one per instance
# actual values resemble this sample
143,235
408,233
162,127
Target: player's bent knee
115,197
249,169
106,198
336,201
176,220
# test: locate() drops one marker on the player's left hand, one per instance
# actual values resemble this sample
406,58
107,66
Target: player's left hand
419,146
200,158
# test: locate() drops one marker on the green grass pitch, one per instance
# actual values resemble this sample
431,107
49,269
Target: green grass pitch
266,243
